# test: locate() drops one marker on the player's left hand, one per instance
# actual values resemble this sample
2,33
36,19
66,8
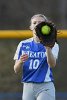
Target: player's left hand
48,39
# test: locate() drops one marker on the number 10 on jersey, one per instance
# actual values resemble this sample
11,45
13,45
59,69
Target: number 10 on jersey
34,64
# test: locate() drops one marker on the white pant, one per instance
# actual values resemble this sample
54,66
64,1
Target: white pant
38,91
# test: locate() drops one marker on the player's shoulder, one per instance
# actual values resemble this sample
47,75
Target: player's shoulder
26,40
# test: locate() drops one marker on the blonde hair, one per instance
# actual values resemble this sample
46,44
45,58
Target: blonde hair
40,15
37,15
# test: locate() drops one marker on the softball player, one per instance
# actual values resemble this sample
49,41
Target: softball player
36,62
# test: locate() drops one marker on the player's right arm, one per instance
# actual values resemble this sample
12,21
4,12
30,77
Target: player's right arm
18,63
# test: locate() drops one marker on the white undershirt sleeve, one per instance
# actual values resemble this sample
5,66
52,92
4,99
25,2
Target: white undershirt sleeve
55,50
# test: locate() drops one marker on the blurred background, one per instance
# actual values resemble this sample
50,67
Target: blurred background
15,15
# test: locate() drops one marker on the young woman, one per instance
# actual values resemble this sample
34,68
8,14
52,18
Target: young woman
36,61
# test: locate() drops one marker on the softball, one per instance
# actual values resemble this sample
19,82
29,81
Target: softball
45,30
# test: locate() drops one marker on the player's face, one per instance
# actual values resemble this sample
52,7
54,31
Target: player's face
35,21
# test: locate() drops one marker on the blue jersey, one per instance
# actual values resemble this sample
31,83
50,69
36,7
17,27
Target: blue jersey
36,68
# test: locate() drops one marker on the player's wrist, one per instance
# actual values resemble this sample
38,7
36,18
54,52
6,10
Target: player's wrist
48,48
20,61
